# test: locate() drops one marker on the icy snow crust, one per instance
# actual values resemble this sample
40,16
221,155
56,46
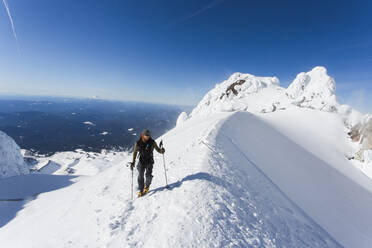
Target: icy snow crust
11,160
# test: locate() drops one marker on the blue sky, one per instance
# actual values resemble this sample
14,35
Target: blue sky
175,51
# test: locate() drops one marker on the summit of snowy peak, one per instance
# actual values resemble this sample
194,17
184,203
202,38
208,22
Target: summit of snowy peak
314,89
239,92
11,160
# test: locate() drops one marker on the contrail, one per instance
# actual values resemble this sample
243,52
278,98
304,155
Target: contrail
198,12
12,24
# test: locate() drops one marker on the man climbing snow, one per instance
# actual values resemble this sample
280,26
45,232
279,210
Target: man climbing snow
145,147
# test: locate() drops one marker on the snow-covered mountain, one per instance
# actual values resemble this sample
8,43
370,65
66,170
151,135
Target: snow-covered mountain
253,165
245,92
11,160
314,89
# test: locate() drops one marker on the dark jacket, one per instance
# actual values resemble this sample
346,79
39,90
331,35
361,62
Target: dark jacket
145,150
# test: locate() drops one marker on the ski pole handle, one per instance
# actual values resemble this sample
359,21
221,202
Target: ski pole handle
131,165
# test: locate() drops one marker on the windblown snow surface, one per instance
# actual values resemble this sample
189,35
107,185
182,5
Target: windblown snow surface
249,167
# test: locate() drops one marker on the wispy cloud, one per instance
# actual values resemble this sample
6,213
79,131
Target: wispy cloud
196,13
361,100
12,24
356,96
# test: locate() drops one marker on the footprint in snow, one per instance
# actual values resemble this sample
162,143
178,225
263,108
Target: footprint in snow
114,225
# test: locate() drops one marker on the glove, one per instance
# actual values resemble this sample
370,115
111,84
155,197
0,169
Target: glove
162,150
132,165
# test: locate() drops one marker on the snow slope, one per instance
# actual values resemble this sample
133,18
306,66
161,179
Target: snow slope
272,178
216,199
333,193
11,160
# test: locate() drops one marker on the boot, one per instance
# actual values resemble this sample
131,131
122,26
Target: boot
146,189
140,193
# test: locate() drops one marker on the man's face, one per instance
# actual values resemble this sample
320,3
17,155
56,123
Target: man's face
146,137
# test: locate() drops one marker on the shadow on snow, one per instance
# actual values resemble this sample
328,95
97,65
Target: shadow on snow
16,191
197,176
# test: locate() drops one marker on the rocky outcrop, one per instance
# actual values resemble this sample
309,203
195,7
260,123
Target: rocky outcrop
232,89
362,133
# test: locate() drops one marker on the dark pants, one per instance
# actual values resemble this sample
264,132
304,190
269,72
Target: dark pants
144,169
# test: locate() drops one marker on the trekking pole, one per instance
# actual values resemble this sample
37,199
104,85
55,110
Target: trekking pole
128,164
165,170
132,183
